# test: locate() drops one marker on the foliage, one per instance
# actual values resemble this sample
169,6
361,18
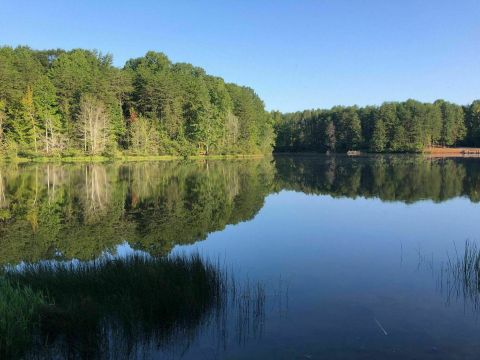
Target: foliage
45,97
409,126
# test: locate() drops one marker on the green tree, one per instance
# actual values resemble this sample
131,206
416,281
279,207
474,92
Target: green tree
330,138
453,127
379,137
45,104
473,123
144,137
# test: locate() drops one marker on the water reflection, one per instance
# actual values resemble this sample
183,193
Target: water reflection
129,307
78,211
350,251
458,275
390,178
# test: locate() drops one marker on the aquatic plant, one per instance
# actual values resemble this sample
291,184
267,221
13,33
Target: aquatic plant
19,314
116,307
135,297
460,275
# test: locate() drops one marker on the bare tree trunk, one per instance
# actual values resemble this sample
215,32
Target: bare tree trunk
3,202
94,125
46,136
53,144
34,129
2,120
85,138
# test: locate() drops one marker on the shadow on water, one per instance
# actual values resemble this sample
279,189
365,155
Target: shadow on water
124,308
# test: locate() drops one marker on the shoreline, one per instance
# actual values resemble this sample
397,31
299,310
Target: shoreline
435,152
460,152
126,158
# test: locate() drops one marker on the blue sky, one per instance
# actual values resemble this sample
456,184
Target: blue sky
296,54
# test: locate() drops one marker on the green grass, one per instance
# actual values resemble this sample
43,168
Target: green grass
56,309
19,315
136,298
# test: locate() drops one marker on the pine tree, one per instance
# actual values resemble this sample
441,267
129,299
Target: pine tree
330,138
25,127
379,137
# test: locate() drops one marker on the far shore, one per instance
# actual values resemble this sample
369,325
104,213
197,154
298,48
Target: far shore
428,152
452,152
125,158
433,152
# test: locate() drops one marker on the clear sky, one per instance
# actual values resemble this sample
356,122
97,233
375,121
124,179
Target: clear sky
296,54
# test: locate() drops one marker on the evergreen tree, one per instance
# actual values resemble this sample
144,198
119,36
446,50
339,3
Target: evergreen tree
379,137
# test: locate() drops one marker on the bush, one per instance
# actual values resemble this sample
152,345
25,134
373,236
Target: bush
72,153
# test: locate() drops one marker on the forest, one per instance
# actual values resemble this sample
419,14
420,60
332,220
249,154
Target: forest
76,103
409,126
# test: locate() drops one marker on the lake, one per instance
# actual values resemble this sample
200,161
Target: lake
360,257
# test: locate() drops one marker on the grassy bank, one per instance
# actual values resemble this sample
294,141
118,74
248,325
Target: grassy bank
124,158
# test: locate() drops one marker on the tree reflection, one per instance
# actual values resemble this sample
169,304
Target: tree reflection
390,178
81,210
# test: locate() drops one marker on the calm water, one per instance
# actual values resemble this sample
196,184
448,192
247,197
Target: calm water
356,254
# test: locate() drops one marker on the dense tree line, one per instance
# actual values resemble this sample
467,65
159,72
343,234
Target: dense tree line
409,126
76,102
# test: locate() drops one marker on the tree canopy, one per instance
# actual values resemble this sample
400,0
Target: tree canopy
56,102
409,126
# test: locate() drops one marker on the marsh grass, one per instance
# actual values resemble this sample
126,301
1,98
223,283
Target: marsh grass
112,307
460,275
136,298
19,316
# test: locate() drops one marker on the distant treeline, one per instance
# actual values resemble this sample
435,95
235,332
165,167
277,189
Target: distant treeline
409,126
76,102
